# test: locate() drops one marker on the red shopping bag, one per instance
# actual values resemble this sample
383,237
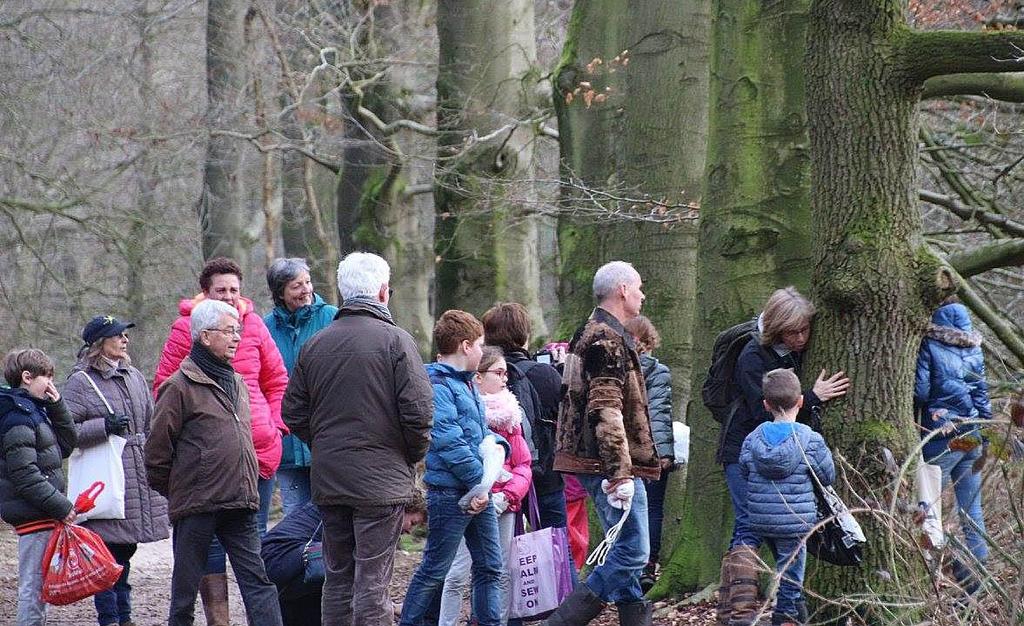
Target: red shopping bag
76,565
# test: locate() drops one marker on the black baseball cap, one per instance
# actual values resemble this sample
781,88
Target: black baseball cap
103,326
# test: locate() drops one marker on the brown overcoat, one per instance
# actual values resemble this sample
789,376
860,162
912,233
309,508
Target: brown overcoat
199,453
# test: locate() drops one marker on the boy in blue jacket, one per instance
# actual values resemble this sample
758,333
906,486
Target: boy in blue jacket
776,460
454,466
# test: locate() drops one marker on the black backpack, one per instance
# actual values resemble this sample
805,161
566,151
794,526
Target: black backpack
719,392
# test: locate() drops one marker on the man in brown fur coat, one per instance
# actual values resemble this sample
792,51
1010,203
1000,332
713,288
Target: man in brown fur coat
604,437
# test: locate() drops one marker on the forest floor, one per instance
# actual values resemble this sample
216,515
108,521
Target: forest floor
151,574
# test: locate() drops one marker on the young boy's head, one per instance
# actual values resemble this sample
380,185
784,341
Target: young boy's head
782,394
30,369
460,335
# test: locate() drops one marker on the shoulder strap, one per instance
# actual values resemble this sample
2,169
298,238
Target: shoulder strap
810,468
97,390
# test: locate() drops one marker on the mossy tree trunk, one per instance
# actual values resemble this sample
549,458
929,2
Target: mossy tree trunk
226,223
875,282
632,97
486,87
754,232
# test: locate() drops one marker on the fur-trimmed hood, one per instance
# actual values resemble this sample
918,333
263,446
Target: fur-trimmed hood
502,411
954,336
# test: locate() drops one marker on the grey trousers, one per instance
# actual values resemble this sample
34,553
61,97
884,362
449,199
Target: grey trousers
237,531
359,556
31,608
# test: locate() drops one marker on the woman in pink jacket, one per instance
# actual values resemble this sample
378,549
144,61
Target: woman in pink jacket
504,417
259,362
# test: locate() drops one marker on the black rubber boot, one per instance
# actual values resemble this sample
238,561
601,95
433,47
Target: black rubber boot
635,613
578,609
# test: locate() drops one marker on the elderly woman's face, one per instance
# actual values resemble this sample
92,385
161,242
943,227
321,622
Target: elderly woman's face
796,340
115,348
298,292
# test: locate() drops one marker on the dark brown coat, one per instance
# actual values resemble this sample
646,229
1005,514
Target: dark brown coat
360,398
199,454
603,423
145,511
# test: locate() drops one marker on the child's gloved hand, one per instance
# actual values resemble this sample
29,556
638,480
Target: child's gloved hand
620,496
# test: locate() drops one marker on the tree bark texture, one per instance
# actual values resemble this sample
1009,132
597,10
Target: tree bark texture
646,138
487,239
754,231
224,220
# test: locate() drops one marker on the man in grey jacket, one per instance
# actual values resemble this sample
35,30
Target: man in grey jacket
360,398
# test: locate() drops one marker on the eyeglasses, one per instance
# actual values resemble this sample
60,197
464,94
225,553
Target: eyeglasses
233,331
500,373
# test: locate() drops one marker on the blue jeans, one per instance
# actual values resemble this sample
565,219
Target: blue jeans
618,580
742,535
295,489
216,562
114,605
791,583
31,608
656,511
446,527
956,468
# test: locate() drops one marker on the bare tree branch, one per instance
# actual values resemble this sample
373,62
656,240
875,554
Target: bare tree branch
1003,223
1006,87
1002,253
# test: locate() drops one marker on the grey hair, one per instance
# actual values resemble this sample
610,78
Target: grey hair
362,274
206,315
92,355
280,273
609,276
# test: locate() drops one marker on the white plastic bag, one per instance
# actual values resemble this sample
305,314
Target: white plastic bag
929,498
493,456
681,443
99,463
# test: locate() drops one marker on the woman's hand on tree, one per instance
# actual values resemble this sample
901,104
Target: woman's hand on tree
829,387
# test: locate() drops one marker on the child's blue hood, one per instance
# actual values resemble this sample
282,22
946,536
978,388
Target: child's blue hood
776,448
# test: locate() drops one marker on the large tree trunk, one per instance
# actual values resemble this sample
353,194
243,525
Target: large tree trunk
755,223
487,237
226,223
875,281
644,139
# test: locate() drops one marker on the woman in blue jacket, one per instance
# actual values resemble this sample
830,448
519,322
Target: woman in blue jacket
950,388
298,315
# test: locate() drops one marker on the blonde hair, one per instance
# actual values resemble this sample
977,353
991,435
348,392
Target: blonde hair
786,311
92,355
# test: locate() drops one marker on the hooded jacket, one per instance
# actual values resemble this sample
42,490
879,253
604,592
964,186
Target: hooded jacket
291,329
505,418
124,388
360,399
780,491
199,454
658,380
950,377
257,360
35,436
460,425
603,424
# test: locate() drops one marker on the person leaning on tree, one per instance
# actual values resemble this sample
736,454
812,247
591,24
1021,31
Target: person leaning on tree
604,437
784,330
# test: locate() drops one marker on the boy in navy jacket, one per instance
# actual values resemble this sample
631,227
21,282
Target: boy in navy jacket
777,460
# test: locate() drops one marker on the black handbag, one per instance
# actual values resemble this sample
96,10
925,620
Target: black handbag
313,560
840,539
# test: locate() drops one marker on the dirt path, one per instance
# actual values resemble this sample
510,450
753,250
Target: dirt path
150,580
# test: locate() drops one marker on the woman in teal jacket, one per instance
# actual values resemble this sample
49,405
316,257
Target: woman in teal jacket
298,315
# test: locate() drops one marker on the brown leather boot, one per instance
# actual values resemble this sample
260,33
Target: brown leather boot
724,611
743,586
213,589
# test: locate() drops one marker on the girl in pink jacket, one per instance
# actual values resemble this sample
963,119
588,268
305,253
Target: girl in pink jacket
504,417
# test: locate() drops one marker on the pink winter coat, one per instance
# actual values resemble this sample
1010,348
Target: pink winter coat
505,417
257,360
